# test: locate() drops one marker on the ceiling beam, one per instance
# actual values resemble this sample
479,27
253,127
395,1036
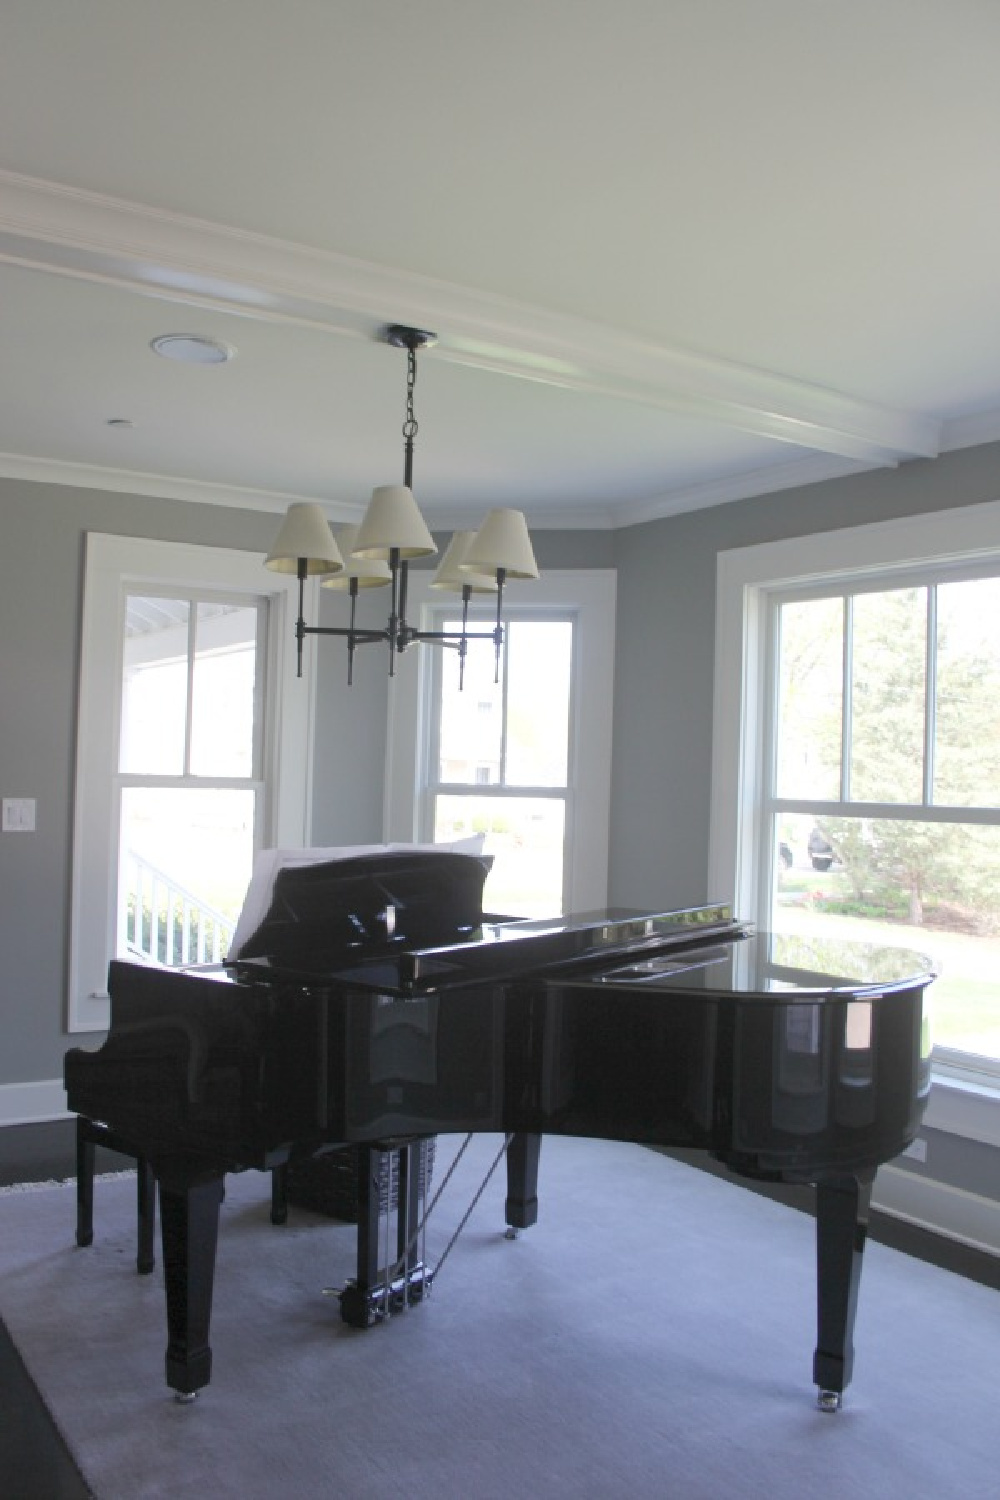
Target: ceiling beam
51,228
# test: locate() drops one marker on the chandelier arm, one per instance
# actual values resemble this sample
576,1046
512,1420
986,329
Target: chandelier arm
362,636
463,644
300,624
393,626
351,639
498,630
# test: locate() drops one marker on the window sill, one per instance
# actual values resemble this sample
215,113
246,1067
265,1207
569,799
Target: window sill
963,1105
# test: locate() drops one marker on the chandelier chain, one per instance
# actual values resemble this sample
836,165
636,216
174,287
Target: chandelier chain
410,423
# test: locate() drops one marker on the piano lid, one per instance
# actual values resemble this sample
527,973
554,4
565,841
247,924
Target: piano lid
504,949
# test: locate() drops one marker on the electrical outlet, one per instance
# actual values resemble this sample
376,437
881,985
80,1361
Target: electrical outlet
18,815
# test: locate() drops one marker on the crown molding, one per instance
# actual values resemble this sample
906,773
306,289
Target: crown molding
743,486
66,231
800,473
158,486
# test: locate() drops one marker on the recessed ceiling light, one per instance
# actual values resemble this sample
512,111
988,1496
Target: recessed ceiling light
192,349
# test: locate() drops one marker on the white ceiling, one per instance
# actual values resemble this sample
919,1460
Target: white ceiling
676,252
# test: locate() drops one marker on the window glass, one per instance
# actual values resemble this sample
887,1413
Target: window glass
967,721
222,700
185,861
154,686
538,702
525,836
810,698
932,887
888,679
470,738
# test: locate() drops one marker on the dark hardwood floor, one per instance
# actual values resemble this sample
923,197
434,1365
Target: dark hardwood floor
35,1463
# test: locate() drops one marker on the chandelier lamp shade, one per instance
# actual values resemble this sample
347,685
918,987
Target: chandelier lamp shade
392,533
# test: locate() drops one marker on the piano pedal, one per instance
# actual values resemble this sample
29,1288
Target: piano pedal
363,1309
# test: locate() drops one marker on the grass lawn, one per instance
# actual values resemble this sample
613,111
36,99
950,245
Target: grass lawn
964,999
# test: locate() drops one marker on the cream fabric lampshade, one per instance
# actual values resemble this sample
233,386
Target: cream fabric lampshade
305,532
449,574
502,542
393,520
371,572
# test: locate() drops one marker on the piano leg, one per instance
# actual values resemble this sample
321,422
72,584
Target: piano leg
842,1205
84,1183
521,1207
146,1206
279,1194
189,1221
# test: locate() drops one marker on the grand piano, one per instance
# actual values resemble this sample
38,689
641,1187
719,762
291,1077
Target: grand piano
376,1006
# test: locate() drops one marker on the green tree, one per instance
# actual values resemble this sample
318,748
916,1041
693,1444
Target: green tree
908,866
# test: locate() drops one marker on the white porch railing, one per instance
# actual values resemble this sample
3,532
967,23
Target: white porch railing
161,922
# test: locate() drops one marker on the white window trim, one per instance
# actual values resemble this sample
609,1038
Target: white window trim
589,594
112,561
743,580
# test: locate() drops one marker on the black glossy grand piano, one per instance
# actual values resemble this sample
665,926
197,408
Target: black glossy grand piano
376,1006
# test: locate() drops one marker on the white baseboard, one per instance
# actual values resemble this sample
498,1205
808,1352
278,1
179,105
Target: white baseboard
33,1103
928,1204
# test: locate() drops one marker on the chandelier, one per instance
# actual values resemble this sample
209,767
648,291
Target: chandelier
392,532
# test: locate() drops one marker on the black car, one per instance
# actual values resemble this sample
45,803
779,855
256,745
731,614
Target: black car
820,850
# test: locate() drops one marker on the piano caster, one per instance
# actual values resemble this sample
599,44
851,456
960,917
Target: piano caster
185,1398
510,1233
829,1400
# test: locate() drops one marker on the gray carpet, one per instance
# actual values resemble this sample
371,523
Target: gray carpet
651,1337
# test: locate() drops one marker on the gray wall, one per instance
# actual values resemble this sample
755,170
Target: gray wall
663,695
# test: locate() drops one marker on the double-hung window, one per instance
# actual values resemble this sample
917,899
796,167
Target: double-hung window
189,788
191,753
524,759
499,761
884,754
857,775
